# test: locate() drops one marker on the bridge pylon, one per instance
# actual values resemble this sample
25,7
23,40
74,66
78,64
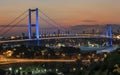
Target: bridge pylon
30,25
109,34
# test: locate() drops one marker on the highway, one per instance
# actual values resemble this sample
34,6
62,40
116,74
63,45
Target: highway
10,60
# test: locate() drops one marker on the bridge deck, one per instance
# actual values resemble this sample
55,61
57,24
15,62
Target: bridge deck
57,37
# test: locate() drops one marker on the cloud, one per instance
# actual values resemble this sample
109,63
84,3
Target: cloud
88,21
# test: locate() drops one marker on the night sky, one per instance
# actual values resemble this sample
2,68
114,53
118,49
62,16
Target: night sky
66,12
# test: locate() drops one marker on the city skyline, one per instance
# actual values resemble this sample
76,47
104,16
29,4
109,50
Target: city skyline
66,12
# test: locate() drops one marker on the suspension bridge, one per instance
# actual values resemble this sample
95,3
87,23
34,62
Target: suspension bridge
62,32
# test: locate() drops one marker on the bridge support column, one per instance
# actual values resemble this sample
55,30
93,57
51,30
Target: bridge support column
29,23
37,27
111,43
37,24
109,34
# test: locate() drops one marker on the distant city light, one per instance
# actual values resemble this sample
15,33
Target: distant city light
10,69
20,68
118,37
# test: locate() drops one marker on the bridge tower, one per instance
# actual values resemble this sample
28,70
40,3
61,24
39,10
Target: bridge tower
111,43
109,34
30,25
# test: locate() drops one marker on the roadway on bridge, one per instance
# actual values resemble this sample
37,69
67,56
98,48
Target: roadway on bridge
56,37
